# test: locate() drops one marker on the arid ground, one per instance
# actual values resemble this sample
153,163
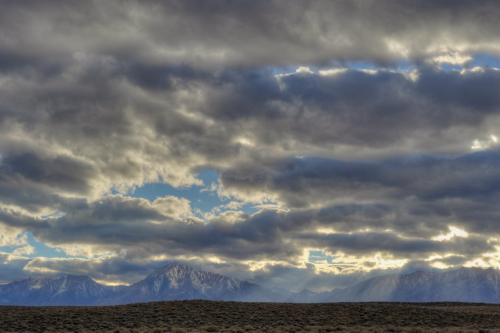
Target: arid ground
234,317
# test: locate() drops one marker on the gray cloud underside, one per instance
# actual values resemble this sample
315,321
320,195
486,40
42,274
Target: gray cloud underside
64,137
473,177
144,229
218,33
75,148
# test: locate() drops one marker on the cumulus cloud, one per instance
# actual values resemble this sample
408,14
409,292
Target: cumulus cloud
60,149
12,236
139,231
25,250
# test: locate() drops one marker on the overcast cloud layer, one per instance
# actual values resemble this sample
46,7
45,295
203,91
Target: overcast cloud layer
365,133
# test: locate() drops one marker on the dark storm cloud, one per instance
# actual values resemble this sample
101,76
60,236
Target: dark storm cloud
163,78
475,90
99,127
34,183
358,108
260,33
61,172
92,116
473,176
300,112
115,223
12,267
400,247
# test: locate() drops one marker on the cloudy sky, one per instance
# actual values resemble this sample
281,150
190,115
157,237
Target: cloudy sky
290,143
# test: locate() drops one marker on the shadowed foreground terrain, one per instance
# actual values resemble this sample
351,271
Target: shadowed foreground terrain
210,316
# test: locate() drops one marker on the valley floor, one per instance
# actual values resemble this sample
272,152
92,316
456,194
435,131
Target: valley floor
234,317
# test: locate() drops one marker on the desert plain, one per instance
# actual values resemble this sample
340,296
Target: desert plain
199,316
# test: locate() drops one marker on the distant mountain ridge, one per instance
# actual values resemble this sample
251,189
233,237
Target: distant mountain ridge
307,296
462,285
68,290
179,282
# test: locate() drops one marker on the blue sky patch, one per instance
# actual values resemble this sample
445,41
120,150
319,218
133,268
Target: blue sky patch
202,199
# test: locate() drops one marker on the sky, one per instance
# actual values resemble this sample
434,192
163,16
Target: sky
295,144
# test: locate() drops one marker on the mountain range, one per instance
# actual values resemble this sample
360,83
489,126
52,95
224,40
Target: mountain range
178,282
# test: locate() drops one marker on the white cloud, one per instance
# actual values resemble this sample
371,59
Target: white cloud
452,58
304,70
332,72
12,236
487,143
454,232
25,250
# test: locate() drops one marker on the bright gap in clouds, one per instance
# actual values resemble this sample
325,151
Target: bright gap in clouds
203,198
316,257
316,69
41,250
485,60
451,67
204,201
480,60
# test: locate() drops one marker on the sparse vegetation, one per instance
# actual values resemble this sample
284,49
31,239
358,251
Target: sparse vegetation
233,317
